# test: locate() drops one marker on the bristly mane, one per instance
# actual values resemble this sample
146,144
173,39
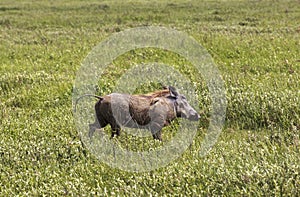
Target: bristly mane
139,105
159,93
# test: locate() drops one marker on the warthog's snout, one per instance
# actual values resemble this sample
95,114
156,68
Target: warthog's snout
190,115
194,116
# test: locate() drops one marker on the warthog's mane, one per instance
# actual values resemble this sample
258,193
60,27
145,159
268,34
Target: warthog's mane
158,93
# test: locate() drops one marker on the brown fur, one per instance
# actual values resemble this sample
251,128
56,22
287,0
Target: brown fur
133,111
159,93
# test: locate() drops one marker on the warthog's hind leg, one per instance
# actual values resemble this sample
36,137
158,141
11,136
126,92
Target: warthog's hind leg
92,128
157,135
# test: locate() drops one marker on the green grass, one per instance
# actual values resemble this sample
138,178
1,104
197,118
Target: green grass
255,45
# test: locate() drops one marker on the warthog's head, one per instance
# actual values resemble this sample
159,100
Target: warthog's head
182,107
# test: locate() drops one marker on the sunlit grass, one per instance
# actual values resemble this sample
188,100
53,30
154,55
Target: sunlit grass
255,45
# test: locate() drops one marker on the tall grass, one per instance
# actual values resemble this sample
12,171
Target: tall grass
255,45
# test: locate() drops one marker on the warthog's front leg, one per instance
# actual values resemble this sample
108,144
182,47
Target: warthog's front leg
155,127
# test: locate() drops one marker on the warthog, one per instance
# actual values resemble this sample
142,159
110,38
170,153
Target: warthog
151,111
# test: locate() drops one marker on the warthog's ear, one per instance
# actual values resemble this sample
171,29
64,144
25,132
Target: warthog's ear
173,92
155,100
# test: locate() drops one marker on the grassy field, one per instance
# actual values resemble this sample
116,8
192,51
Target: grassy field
255,44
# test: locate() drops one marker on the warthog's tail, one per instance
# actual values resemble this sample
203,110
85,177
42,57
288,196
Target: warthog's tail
85,95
